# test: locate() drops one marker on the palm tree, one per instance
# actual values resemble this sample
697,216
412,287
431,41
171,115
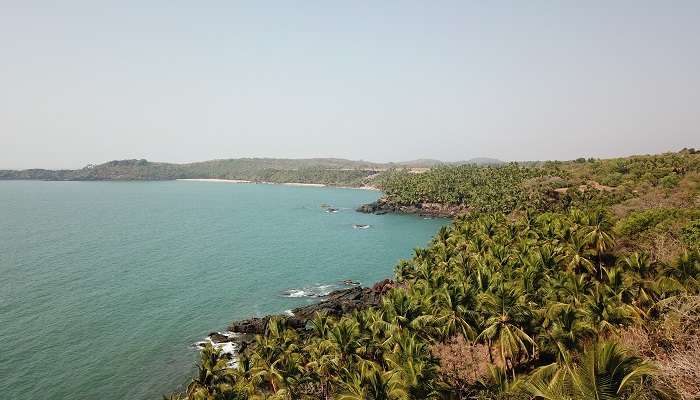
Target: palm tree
213,379
576,255
320,324
408,359
501,384
598,235
324,363
506,317
291,373
345,337
267,353
537,289
372,385
400,308
607,371
640,282
686,269
607,312
571,288
566,329
456,313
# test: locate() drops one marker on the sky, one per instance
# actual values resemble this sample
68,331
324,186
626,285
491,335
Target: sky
86,82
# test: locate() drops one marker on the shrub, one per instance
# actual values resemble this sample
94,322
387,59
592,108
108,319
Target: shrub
673,344
670,181
641,221
691,233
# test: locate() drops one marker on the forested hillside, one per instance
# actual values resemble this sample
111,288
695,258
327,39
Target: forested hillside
330,171
325,171
576,280
553,185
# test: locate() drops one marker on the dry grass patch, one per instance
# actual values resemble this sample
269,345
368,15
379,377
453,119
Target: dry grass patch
673,345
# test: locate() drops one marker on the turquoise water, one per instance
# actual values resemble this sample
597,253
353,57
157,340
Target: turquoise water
105,286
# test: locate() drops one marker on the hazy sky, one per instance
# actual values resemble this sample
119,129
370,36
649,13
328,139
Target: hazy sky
86,82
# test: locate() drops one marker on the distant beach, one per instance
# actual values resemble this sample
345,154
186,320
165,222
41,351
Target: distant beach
275,183
215,180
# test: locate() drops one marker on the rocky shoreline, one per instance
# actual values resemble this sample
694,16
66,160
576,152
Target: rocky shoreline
242,333
435,210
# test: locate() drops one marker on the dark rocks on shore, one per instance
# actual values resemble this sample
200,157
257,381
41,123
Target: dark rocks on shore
383,206
337,303
217,337
371,208
384,286
253,325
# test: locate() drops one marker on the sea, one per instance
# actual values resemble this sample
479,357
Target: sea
106,287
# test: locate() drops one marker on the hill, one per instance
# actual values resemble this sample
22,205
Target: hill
330,171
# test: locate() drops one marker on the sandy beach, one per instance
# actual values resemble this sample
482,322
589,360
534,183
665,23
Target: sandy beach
276,183
215,180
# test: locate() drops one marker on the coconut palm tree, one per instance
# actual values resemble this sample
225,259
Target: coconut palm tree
345,337
456,313
409,360
606,371
686,269
324,364
598,235
567,328
213,380
606,311
372,385
577,254
507,316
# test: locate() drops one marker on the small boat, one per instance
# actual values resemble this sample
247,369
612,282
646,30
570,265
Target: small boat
331,210
350,282
360,226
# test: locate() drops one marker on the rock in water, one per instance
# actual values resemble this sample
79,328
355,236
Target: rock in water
337,303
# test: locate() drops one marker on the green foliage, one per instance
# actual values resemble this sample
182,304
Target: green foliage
663,169
656,218
606,371
641,221
691,233
670,181
550,186
487,189
323,171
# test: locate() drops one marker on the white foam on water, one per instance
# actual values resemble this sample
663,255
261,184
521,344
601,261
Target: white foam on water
324,290
229,348
297,293
311,291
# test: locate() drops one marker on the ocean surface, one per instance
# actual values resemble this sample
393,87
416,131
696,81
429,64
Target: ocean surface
106,286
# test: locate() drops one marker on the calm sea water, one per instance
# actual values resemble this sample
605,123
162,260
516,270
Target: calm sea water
104,287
